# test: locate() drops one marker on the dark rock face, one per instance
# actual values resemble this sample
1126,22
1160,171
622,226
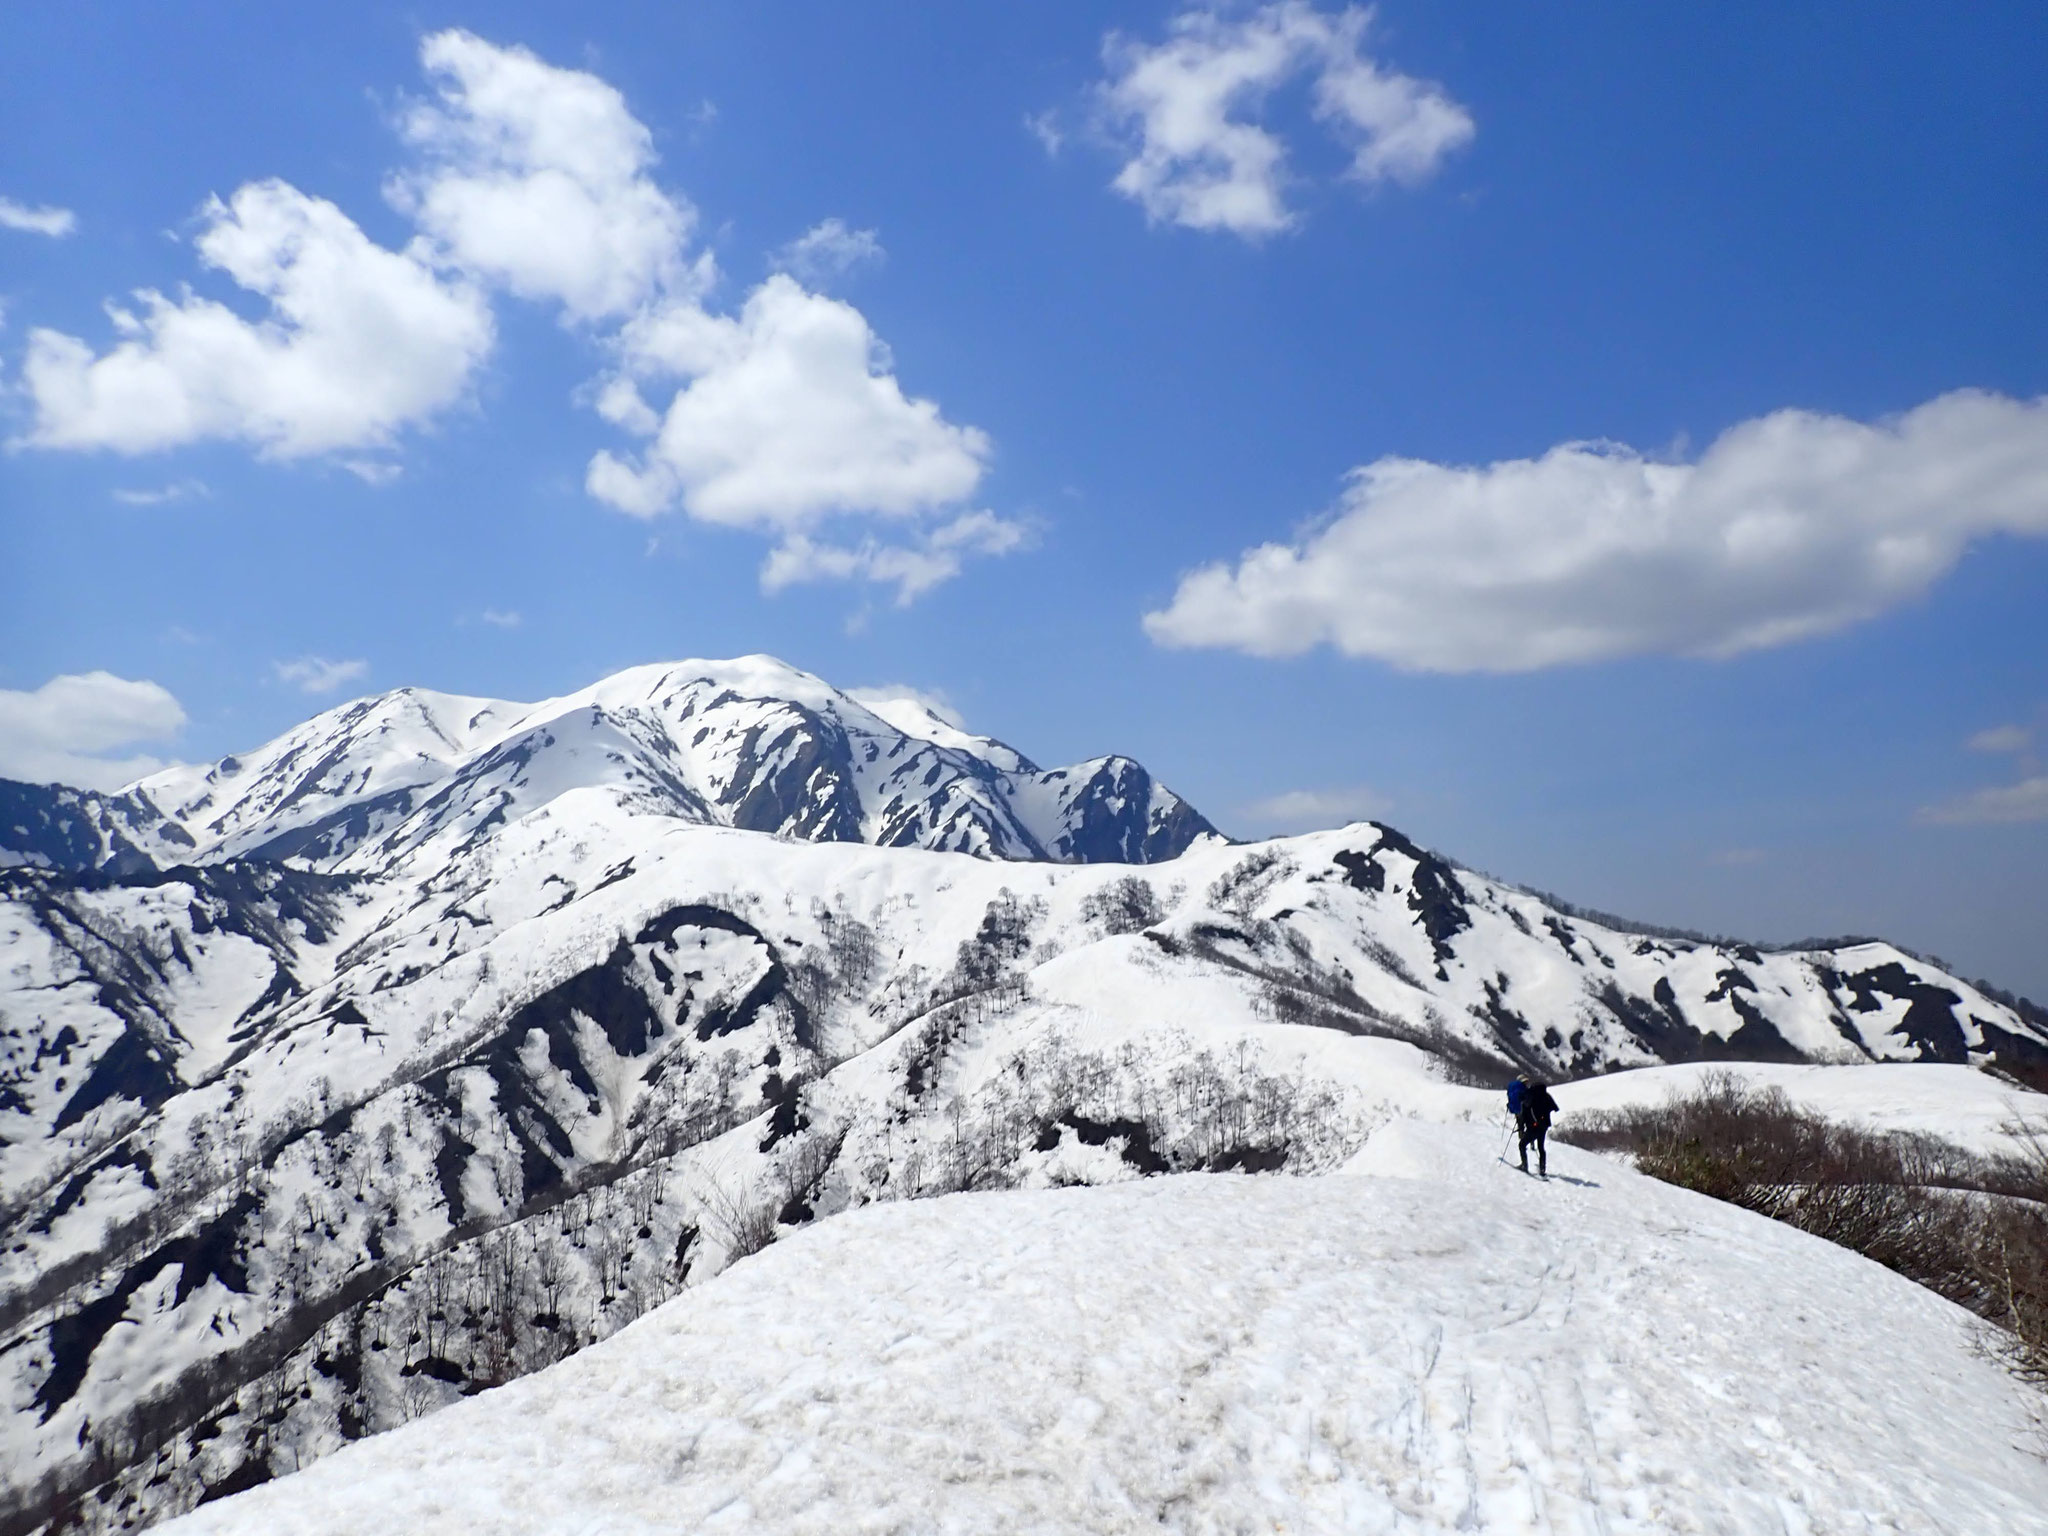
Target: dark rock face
796,780
1930,1021
74,831
1121,815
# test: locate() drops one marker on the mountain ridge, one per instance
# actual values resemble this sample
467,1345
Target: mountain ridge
750,742
441,981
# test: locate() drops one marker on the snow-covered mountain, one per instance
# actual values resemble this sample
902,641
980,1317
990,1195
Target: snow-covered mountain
1430,1344
441,1037
750,743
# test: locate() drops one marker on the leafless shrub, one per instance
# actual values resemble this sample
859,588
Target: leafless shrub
741,1221
1125,905
1974,1229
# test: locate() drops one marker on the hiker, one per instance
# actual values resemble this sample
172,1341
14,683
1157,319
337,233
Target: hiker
1533,1107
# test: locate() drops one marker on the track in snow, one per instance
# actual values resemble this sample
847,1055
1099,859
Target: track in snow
1441,1346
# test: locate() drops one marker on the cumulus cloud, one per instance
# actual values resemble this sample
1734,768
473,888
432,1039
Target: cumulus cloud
1790,525
530,179
1186,110
826,250
62,731
360,342
536,178
316,674
789,414
1304,809
53,222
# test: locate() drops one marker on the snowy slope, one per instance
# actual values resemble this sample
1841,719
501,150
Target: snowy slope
1440,1345
1961,1105
557,992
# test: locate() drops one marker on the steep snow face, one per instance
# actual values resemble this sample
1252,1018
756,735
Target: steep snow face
749,743
1437,1345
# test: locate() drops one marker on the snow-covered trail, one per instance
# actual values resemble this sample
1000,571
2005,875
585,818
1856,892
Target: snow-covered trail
1433,1343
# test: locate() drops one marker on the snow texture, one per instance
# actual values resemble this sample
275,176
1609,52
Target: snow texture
1440,1344
303,1054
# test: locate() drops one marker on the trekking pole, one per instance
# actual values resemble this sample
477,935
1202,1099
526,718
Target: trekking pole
1506,1136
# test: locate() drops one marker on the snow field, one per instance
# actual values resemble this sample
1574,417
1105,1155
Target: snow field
1963,1105
1433,1344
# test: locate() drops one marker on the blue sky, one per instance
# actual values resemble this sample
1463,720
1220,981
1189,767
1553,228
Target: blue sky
1037,357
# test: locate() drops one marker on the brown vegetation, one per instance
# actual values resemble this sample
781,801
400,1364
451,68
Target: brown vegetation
1972,1228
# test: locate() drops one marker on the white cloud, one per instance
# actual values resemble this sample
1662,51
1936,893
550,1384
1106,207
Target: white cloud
1305,809
826,250
2006,803
1045,127
1399,128
2002,738
1789,525
502,618
887,699
915,569
536,179
1186,109
360,342
790,414
53,222
374,472
316,674
59,733
178,490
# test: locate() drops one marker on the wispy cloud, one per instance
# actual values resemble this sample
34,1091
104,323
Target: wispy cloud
1045,127
2003,803
1736,858
503,618
53,222
2026,800
1299,810
828,249
887,699
316,674
181,490
2002,738
914,568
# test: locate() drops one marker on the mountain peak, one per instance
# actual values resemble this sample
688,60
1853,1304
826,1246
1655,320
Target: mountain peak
749,742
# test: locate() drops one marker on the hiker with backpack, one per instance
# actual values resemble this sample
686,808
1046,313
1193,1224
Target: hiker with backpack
1532,1108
